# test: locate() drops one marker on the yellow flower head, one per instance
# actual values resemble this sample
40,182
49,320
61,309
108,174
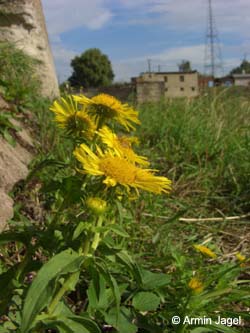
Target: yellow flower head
97,205
70,118
196,285
205,250
118,170
240,257
121,146
104,107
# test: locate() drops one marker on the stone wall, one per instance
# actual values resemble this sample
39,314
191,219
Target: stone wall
123,92
22,23
14,162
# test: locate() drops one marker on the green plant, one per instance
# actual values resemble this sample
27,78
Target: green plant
18,81
5,126
83,260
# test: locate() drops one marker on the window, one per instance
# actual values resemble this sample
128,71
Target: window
193,88
166,89
181,78
182,89
165,78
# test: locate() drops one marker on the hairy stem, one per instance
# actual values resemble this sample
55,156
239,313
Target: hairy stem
96,239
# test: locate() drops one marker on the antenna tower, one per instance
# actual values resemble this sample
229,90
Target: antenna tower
213,59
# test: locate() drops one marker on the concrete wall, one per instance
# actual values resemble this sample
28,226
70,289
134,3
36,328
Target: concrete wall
153,86
149,91
245,82
22,22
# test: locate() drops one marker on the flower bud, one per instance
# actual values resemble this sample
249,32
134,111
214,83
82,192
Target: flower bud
96,205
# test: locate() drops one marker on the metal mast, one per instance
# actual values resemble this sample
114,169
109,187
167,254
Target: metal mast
213,60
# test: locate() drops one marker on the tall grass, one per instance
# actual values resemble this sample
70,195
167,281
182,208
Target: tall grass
18,80
203,145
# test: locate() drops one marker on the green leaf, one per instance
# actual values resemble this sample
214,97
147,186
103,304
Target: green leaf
117,229
71,190
201,330
87,323
222,328
41,290
9,138
9,236
146,301
154,280
7,284
81,227
124,323
131,266
103,269
72,324
62,310
96,289
120,210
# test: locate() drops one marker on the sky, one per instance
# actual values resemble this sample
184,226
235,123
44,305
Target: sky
130,32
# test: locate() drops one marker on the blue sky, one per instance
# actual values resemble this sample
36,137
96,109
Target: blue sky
132,31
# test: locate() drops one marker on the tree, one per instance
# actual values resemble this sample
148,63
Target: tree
91,69
243,68
185,66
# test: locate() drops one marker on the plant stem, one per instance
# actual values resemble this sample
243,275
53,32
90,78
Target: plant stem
57,214
86,247
96,239
61,292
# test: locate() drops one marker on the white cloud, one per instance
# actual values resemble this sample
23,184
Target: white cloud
191,15
66,15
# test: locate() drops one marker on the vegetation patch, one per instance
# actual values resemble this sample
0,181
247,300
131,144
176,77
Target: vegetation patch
119,246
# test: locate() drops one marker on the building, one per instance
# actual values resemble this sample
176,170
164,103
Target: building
156,85
241,79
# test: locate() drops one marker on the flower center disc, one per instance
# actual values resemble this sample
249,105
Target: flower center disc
119,169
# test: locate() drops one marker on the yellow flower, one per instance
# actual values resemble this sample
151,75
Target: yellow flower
205,250
97,205
118,170
70,118
196,285
240,257
121,146
104,107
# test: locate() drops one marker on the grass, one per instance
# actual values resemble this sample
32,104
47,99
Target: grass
203,145
18,81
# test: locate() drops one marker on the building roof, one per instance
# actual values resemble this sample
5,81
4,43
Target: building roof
241,76
168,73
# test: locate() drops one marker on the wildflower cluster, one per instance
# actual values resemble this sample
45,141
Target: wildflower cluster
102,153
